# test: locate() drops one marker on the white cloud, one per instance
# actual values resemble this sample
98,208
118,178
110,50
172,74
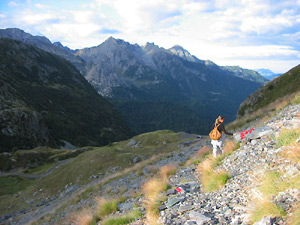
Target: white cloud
218,30
13,4
36,18
41,6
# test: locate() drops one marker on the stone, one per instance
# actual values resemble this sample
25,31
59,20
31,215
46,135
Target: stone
126,206
228,213
131,143
162,207
172,201
190,222
171,192
235,221
198,217
254,142
185,208
264,221
136,159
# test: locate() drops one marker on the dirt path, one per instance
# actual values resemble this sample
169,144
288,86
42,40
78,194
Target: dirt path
36,176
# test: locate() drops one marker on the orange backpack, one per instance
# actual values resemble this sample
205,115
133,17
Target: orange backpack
215,134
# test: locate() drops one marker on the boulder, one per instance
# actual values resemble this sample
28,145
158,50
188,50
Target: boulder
199,218
253,133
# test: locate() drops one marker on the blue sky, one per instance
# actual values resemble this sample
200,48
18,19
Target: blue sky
250,33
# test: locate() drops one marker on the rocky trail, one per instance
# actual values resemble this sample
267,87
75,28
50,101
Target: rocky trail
230,205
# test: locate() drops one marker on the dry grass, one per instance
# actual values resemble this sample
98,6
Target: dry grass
212,180
85,217
288,137
166,171
268,185
199,155
152,192
230,146
292,153
152,189
265,208
294,218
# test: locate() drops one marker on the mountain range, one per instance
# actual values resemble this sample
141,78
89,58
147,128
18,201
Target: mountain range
156,88
183,92
46,101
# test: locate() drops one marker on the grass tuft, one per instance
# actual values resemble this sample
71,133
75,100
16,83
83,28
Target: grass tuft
292,153
288,137
230,146
201,154
166,171
294,218
266,208
152,191
270,184
106,207
212,180
125,219
85,217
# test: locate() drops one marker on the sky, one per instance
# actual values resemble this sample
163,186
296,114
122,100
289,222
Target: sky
252,34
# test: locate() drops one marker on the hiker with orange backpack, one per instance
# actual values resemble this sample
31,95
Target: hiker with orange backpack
216,134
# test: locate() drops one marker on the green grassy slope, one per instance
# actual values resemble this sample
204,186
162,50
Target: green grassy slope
284,85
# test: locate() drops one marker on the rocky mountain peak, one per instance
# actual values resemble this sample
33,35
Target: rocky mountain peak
150,47
181,52
20,35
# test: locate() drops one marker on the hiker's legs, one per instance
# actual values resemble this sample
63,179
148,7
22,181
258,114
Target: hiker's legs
216,144
220,146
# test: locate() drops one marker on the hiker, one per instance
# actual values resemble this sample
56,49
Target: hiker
216,135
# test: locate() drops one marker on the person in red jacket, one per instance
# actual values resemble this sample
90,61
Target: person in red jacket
217,144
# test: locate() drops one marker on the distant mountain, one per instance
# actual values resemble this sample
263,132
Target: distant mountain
135,77
268,74
246,73
44,100
284,85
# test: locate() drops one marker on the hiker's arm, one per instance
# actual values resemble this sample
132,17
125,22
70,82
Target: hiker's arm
225,131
